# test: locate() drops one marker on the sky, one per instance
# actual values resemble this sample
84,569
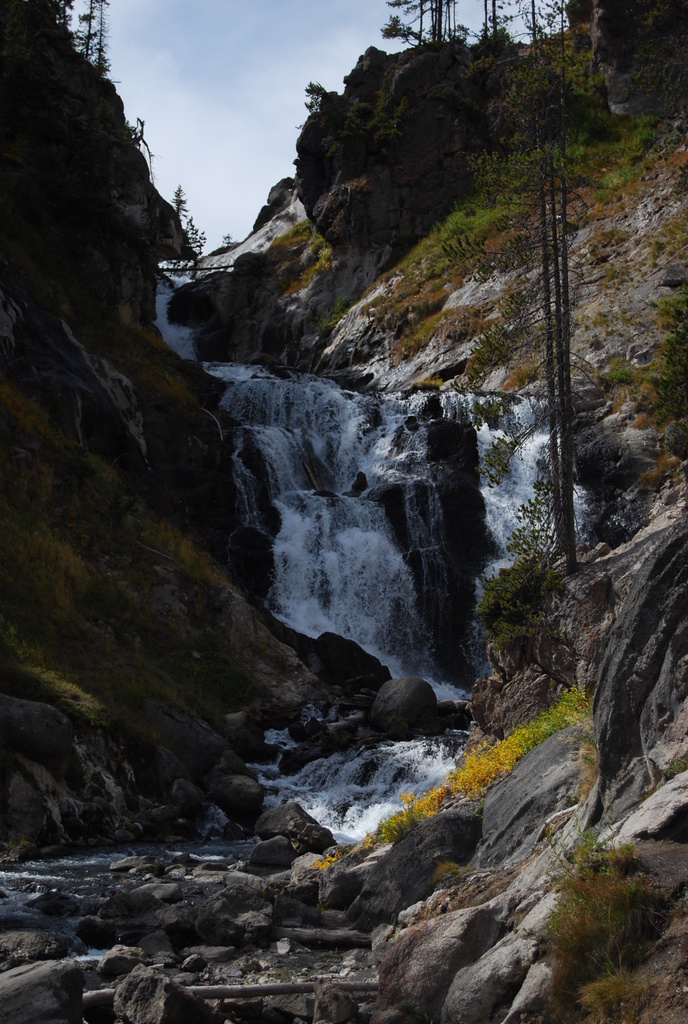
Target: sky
220,85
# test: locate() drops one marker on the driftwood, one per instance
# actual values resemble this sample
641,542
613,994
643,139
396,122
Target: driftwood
329,936
105,996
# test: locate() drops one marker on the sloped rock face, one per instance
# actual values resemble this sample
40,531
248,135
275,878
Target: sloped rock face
641,702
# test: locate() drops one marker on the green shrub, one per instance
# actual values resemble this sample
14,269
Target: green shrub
672,379
605,915
511,604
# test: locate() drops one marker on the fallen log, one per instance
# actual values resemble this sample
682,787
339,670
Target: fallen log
328,936
105,996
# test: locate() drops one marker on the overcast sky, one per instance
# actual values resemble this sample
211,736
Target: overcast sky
221,84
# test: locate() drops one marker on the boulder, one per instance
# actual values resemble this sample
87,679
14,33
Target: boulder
191,740
533,993
332,1006
120,960
237,795
239,914
304,879
516,807
186,797
168,768
664,815
479,988
23,946
45,993
405,703
297,825
277,852
38,731
417,971
247,739
146,996
403,876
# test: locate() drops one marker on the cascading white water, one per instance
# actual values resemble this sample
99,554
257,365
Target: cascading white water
338,566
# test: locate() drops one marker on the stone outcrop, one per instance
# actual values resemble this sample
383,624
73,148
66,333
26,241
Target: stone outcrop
640,56
640,701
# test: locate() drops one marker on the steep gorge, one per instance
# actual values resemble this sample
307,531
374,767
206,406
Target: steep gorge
126,650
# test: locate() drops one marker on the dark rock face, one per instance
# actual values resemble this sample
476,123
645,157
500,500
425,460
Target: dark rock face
610,462
47,993
387,158
516,807
40,732
84,179
626,42
641,702
403,876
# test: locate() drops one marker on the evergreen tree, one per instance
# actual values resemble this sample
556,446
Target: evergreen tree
91,37
431,21
193,241
531,177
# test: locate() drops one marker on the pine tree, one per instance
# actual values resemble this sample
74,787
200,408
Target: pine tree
531,176
193,242
431,21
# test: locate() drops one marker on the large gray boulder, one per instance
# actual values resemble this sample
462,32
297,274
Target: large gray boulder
191,740
403,876
418,970
45,993
239,796
240,913
641,701
479,988
147,996
405,703
515,809
297,825
38,731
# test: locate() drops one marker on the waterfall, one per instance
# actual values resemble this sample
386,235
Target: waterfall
349,487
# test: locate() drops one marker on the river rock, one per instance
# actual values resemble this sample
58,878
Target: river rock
121,960
479,988
239,914
277,852
247,739
38,731
146,996
95,932
186,797
46,993
403,875
191,740
290,820
516,807
405,703
21,946
332,1006
237,795
138,865
417,971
